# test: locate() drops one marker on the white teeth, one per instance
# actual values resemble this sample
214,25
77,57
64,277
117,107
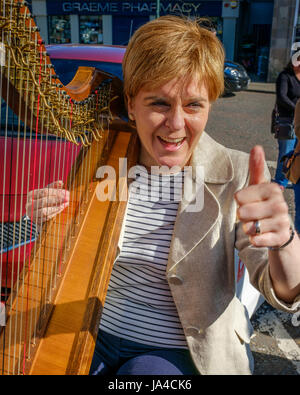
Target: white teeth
168,140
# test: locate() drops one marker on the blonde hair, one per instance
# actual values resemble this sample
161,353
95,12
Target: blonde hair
173,47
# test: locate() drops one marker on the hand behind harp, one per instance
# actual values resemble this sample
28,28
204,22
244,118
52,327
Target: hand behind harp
44,204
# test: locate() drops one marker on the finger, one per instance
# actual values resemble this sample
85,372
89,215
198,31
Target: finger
52,201
47,193
35,212
46,213
256,193
40,192
257,165
267,225
56,184
261,210
270,239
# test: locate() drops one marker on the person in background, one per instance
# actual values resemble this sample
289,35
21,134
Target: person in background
287,94
297,166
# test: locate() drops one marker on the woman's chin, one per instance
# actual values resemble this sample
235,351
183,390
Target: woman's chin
171,162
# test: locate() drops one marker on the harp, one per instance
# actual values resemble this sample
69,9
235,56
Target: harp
54,277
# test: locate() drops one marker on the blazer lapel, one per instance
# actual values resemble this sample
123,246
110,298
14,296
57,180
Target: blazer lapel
195,220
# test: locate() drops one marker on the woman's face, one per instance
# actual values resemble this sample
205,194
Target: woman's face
170,121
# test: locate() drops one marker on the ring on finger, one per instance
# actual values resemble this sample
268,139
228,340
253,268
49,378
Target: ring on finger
257,227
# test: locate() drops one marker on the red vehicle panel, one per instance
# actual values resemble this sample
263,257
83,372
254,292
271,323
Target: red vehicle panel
96,53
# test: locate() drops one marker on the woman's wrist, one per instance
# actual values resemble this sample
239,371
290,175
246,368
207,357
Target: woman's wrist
292,235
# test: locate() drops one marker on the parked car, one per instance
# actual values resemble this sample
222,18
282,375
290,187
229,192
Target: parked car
235,76
66,58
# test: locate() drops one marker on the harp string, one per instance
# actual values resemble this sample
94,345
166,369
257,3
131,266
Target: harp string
17,323
10,166
64,175
69,160
20,154
31,216
37,252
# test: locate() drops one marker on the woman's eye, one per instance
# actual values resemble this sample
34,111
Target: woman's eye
195,105
159,103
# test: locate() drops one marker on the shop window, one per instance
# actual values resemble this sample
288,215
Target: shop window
218,25
90,29
59,28
214,23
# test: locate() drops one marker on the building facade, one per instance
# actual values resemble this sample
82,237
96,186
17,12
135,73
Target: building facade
255,33
111,21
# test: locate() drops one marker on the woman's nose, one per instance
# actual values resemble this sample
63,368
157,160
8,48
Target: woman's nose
176,119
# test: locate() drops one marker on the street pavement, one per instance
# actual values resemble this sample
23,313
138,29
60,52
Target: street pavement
240,121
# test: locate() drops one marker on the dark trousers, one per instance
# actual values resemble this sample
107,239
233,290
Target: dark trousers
114,355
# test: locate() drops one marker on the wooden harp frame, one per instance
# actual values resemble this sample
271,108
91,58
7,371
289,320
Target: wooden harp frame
68,302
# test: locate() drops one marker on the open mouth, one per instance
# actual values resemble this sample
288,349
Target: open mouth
170,143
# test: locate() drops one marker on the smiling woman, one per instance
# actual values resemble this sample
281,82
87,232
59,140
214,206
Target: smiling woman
171,305
163,96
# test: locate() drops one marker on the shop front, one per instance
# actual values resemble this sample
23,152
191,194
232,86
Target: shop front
113,22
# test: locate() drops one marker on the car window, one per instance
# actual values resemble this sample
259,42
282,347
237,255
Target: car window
65,69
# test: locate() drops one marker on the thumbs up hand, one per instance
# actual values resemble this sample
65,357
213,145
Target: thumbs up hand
262,208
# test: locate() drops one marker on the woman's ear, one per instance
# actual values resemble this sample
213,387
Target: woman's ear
130,107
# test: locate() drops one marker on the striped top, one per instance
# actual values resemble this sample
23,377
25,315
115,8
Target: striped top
139,305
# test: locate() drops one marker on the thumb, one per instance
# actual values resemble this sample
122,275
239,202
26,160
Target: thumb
257,165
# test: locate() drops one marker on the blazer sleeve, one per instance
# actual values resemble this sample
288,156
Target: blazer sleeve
256,262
